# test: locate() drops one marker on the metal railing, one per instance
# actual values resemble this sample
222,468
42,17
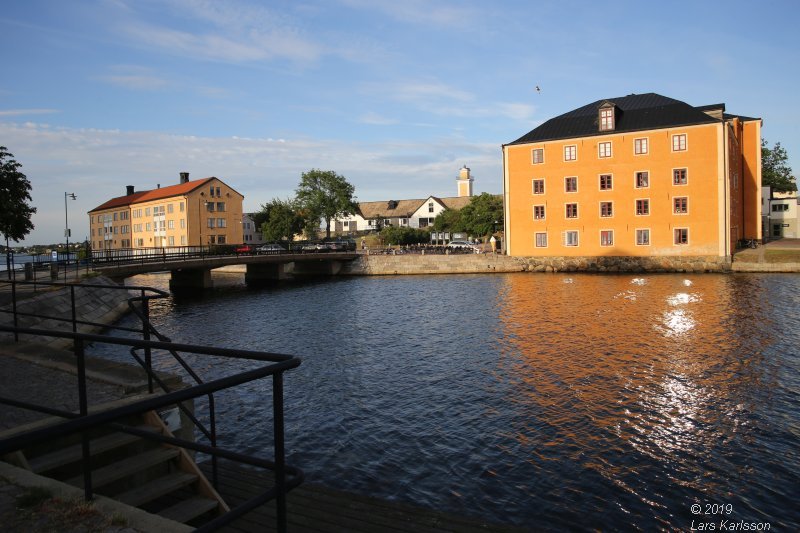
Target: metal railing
83,421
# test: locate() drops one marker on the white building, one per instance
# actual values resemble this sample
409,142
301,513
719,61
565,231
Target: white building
779,214
250,232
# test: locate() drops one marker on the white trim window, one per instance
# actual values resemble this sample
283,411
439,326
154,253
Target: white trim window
571,210
571,152
604,149
606,209
538,212
640,146
571,184
680,176
642,207
538,186
537,156
606,182
679,142
570,238
643,237
607,237
540,239
607,119
681,236
680,205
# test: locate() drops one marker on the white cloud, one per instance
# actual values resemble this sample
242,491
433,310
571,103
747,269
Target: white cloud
422,12
22,112
134,77
98,164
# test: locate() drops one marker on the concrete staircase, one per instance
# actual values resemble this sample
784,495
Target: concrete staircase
155,477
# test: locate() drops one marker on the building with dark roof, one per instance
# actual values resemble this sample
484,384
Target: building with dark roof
190,213
637,175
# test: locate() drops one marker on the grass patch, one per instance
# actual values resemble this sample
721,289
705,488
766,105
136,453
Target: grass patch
33,497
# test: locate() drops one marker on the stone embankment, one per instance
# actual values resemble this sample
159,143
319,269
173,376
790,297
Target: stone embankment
378,265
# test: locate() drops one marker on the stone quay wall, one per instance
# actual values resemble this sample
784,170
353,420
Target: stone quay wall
382,265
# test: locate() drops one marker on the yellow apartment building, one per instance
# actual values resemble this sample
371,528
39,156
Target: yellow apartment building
641,175
191,213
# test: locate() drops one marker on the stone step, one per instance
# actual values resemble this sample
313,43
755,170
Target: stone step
189,509
74,452
156,488
127,467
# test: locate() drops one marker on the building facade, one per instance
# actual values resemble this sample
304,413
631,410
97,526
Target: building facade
191,213
640,175
779,214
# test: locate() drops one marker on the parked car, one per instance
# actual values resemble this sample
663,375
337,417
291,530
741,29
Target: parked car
314,247
243,249
271,248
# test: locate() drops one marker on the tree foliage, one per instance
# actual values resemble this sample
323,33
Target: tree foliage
281,220
324,194
449,220
15,212
775,171
480,215
404,235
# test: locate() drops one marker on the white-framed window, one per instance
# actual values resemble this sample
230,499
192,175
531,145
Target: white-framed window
607,237
220,238
538,212
147,226
640,146
183,223
606,182
680,176
170,207
220,206
571,184
222,223
570,238
607,119
210,222
642,179
538,186
604,149
171,240
537,156
571,210
681,236
183,240
777,208
540,239
182,207
430,207
680,205
679,142
642,206
171,224
571,152
606,209
642,237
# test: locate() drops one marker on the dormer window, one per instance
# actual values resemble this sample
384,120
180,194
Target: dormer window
607,118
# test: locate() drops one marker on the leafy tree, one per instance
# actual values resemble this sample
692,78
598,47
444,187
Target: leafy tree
404,235
479,216
15,212
281,220
326,195
449,220
775,171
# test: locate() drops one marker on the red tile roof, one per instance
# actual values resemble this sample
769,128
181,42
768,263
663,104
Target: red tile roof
155,194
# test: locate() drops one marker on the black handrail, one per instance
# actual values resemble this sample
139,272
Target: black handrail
83,421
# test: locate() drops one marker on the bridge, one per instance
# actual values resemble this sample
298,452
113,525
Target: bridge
192,269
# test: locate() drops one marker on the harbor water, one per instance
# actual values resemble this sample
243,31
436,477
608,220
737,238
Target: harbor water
553,401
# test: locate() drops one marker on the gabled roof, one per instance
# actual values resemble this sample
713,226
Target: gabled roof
154,194
406,208
635,112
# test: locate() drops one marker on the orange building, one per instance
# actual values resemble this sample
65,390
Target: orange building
191,213
641,175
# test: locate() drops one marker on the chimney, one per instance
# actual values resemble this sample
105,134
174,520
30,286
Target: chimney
129,188
158,185
184,177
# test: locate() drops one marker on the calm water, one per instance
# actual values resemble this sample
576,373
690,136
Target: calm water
550,401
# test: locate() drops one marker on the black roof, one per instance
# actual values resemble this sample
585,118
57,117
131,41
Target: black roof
634,112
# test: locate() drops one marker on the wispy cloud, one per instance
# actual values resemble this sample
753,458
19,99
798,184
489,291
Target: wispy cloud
422,12
97,164
23,112
134,77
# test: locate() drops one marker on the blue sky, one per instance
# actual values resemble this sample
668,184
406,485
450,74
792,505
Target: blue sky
394,95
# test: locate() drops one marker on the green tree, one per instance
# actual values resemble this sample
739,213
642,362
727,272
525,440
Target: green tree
15,212
483,214
406,235
281,220
323,194
449,220
775,172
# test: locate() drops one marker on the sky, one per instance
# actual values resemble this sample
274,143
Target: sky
394,95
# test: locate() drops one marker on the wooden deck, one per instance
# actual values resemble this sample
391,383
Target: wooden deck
313,508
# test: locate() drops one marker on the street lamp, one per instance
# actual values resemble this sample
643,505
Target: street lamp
204,202
66,229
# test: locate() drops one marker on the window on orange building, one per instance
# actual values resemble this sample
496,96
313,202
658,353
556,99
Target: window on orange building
537,156
605,182
538,212
607,237
643,207
541,240
680,205
679,142
604,149
538,186
681,236
570,153
571,210
640,146
680,176
606,209
571,184
642,237
642,180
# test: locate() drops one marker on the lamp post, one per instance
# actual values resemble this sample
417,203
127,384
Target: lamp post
66,228
204,203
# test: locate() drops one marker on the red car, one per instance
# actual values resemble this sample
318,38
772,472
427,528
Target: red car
244,249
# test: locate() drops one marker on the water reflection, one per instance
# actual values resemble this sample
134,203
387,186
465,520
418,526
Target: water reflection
552,401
